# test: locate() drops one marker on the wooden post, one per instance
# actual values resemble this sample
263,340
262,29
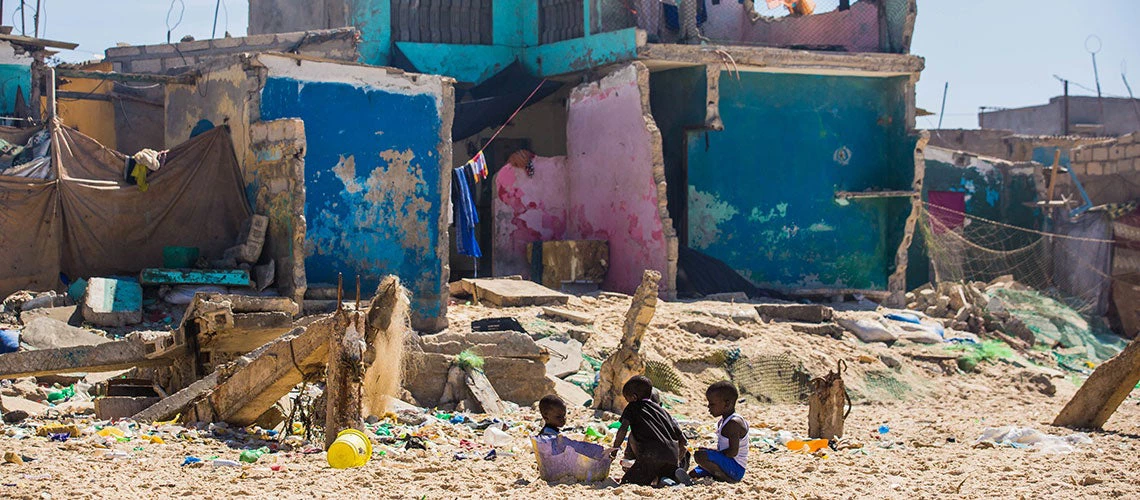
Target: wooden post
1053,173
825,405
345,376
1100,395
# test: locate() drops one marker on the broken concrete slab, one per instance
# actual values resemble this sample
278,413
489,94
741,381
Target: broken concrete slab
484,393
486,344
168,407
626,361
566,315
248,332
118,355
808,313
112,302
47,333
1103,392
221,277
728,297
573,395
739,316
10,404
572,260
116,407
47,299
580,334
565,356
65,314
522,381
512,293
713,329
823,329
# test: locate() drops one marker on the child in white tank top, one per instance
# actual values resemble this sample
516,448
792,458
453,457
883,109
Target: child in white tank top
730,458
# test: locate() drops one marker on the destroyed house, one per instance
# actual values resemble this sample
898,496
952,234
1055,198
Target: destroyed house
784,146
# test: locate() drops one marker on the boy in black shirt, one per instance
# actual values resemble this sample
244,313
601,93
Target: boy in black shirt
659,440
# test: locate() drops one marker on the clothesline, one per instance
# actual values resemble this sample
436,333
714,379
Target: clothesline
479,161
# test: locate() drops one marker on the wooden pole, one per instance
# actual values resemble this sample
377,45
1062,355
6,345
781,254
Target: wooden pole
343,388
1053,173
51,97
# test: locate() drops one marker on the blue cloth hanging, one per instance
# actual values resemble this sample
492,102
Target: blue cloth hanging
466,217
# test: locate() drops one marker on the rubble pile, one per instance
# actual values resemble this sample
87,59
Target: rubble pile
970,307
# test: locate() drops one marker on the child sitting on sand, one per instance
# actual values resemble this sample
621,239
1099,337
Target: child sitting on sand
553,411
656,436
631,450
728,461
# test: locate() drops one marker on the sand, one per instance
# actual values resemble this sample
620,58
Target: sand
929,451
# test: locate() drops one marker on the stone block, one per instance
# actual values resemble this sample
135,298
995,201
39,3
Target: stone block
712,329
573,260
1132,151
1081,169
260,41
1136,165
573,395
1109,167
146,66
1100,154
1129,138
810,313
1077,155
112,302
522,381
1095,168
196,45
117,67
1116,152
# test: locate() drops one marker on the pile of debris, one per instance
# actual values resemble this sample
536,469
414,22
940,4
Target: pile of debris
970,307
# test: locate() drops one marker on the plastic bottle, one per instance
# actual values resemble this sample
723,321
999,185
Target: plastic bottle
495,436
593,434
225,463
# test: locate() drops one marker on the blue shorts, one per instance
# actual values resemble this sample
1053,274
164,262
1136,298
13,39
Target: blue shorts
729,466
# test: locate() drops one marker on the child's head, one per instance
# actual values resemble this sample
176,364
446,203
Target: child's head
553,410
637,388
722,398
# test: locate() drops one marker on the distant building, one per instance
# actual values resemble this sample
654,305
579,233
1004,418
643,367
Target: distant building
1087,115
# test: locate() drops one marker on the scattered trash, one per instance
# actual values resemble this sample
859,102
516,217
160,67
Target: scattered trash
218,462
496,436
13,458
191,461
1028,437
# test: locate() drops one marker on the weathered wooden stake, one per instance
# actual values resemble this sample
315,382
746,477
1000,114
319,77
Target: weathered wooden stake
825,405
345,376
1100,395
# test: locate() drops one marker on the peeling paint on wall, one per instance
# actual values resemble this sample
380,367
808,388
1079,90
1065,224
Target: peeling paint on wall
376,187
528,209
706,214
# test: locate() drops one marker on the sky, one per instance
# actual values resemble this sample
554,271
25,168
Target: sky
1000,53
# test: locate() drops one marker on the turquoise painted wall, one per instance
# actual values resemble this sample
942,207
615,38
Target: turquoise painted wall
515,36
677,98
762,192
372,184
14,78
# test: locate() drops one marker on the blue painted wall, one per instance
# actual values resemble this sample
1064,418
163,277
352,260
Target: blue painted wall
14,78
762,192
372,184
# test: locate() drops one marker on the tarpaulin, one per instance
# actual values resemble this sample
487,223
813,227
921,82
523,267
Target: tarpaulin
87,221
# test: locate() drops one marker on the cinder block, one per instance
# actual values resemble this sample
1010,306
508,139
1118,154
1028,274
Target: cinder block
1136,165
1116,152
1109,168
1100,154
1129,139
116,407
1132,151
117,67
196,45
117,52
1077,155
162,49
112,302
227,43
146,66
1081,169
1095,168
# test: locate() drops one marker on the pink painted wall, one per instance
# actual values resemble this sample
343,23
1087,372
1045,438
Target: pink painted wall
603,189
856,29
613,192
526,209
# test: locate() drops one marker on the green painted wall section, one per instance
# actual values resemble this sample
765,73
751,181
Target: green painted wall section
581,53
761,193
465,63
14,79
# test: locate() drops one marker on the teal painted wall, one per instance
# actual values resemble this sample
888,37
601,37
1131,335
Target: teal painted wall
761,193
677,98
14,78
515,35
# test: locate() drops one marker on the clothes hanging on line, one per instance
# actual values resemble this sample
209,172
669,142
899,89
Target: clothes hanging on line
466,217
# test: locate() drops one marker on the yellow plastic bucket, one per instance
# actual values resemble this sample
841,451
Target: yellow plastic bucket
351,449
